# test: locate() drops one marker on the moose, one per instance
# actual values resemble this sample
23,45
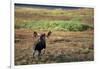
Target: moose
40,42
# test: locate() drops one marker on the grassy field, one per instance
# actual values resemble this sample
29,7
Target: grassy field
71,39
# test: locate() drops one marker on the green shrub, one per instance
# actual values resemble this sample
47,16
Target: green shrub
54,25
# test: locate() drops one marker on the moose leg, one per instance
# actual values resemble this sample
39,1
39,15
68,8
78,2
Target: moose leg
39,52
34,52
43,51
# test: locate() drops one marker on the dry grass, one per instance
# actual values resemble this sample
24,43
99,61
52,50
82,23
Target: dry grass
61,47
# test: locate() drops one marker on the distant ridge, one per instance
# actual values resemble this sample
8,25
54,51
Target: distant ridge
45,6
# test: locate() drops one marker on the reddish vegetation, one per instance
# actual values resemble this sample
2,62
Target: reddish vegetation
61,47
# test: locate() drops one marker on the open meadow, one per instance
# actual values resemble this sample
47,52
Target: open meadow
72,38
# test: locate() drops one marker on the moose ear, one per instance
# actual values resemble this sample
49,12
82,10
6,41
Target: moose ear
35,34
49,33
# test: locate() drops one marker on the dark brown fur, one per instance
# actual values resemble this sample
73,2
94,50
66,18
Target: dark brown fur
40,43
